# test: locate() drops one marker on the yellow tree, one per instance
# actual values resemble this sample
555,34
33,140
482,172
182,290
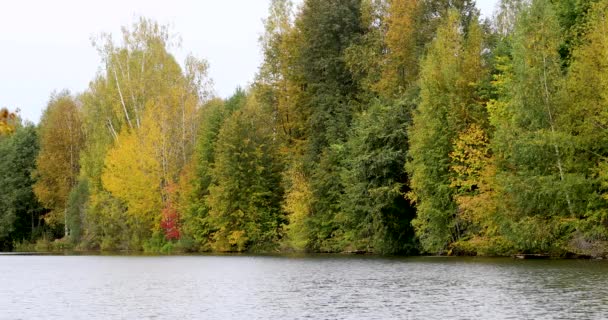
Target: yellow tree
450,77
142,119
278,82
473,177
7,121
133,175
57,164
400,66
145,161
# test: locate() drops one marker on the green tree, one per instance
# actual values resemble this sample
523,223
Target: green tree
376,214
327,29
20,211
585,102
245,194
213,115
543,189
76,210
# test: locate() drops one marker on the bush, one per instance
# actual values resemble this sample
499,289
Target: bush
24,246
42,245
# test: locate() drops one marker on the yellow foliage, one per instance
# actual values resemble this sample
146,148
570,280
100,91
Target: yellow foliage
470,155
473,176
57,164
7,121
297,205
401,65
133,175
238,239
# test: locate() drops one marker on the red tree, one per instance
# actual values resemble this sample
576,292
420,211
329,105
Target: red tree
170,215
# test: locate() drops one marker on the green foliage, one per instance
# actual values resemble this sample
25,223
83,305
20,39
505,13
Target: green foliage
327,29
245,193
76,209
105,220
537,171
213,115
20,211
376,214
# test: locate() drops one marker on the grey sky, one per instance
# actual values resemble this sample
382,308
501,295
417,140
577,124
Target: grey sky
45,45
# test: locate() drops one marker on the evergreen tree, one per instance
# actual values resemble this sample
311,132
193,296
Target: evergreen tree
376,215
327,29
213,115
245,193
20,211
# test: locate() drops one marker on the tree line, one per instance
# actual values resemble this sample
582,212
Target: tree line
384,126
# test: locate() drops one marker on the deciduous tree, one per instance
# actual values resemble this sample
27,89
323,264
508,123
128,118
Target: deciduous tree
57,164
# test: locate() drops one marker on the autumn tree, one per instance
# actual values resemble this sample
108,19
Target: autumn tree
450,76
57,164
400,67
7,121
142,115
279,87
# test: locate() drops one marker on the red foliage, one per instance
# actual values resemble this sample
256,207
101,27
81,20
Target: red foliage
170,216
170,223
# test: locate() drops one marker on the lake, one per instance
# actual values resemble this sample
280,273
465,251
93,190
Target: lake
299,287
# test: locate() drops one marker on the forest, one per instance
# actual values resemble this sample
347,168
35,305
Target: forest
377,126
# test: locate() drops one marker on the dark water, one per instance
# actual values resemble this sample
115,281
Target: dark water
305,287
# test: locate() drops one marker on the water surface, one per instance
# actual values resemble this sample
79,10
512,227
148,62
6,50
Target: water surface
299,287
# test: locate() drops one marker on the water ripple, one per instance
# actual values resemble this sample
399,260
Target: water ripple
306,287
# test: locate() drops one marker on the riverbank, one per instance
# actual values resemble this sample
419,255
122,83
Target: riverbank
141,253
65,246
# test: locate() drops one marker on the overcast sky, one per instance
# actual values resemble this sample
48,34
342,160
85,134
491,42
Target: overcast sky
45,45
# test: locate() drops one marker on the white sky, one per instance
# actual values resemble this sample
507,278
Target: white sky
45,45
